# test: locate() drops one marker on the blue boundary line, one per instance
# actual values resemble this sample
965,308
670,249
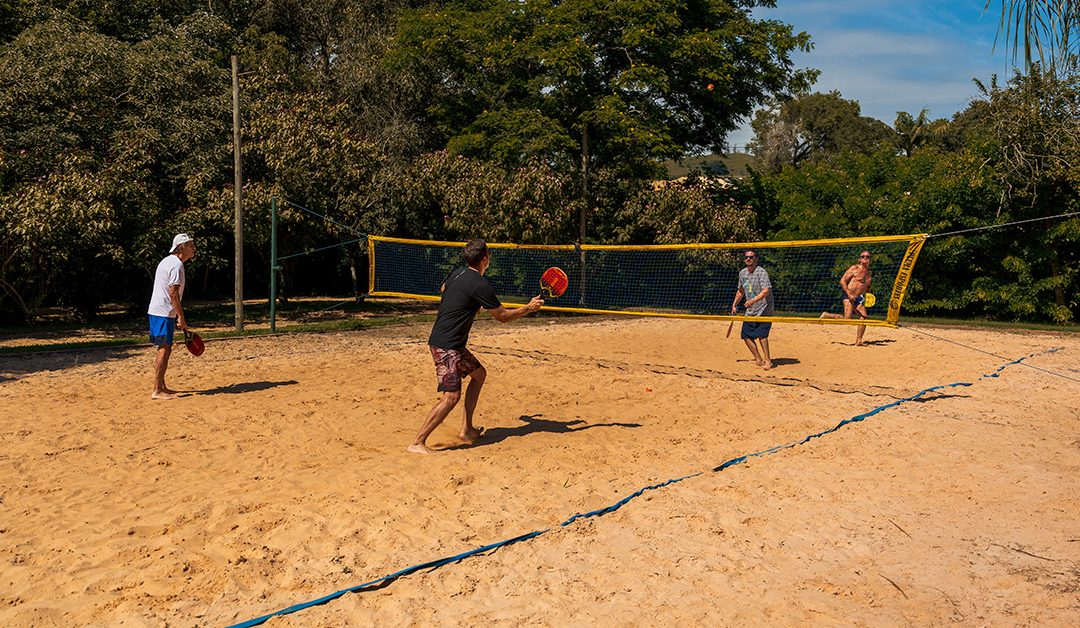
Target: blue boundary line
435,564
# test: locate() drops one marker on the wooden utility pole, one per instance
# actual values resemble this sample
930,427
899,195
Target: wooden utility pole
584,181
238,195
586,203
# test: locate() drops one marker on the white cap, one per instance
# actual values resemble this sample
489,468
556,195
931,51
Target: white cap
181,238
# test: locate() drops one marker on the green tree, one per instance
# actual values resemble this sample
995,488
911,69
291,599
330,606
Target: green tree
1033,142
1019,162
129,127
813,127
698,209
913,132
593,84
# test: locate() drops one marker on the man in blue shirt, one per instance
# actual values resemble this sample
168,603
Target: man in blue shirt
464,292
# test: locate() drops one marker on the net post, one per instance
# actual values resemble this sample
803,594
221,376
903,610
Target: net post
371,263
903,276
273,264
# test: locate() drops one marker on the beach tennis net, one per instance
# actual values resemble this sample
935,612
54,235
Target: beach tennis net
684,280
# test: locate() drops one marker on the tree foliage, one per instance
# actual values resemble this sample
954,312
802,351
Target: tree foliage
1019,161
698,209
98,136
813,127
1046,30
597,83
509,120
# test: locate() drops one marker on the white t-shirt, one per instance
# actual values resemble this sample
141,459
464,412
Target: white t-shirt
170,272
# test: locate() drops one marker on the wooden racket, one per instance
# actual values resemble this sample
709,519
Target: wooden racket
730,326
553,283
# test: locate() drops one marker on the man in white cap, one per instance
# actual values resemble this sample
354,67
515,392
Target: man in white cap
165,312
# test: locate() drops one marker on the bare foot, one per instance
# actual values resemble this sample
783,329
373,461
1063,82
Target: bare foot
473,435
170,391
419,449
163,395
759,362
768,365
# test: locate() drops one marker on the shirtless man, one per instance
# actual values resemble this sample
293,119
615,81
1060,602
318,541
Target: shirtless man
855,283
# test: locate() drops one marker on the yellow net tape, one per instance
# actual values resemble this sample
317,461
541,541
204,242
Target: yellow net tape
672,281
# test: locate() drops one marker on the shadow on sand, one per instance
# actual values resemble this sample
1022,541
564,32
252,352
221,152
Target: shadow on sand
236,389
785,361
534,424
866,343
14,366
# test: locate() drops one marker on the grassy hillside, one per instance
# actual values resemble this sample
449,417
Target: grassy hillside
731,165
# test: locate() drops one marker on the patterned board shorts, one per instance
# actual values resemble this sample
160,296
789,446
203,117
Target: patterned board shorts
452,365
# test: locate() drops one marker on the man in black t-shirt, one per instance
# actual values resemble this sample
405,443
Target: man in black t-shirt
463,294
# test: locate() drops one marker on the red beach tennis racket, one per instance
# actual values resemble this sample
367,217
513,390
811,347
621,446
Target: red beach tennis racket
553,283
194,343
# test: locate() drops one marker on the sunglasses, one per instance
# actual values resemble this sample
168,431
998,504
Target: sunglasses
866,256
751,257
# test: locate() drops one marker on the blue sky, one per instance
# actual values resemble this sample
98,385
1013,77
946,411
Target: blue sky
895,55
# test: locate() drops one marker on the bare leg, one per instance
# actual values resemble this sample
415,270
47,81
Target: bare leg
753,349
434,418
849,312
161,364
765,350
862,328
469,433
830,315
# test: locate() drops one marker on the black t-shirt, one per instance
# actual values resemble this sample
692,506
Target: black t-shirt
466,292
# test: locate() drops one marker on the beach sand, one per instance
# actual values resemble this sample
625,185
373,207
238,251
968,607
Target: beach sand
281,476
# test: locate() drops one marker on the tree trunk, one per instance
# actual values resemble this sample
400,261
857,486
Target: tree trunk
1059,290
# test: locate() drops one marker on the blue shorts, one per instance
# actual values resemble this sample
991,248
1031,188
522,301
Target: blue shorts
859,300
162,329
755,330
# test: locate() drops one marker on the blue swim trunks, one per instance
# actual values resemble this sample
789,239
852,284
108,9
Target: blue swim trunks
162,329
859,300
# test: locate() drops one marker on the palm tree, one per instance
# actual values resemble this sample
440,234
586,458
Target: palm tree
1046,30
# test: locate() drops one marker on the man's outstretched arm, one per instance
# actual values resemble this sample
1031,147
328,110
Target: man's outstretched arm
504,315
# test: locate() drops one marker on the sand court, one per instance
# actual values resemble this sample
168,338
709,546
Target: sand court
281,477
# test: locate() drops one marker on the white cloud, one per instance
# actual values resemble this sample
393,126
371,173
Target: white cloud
894,55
